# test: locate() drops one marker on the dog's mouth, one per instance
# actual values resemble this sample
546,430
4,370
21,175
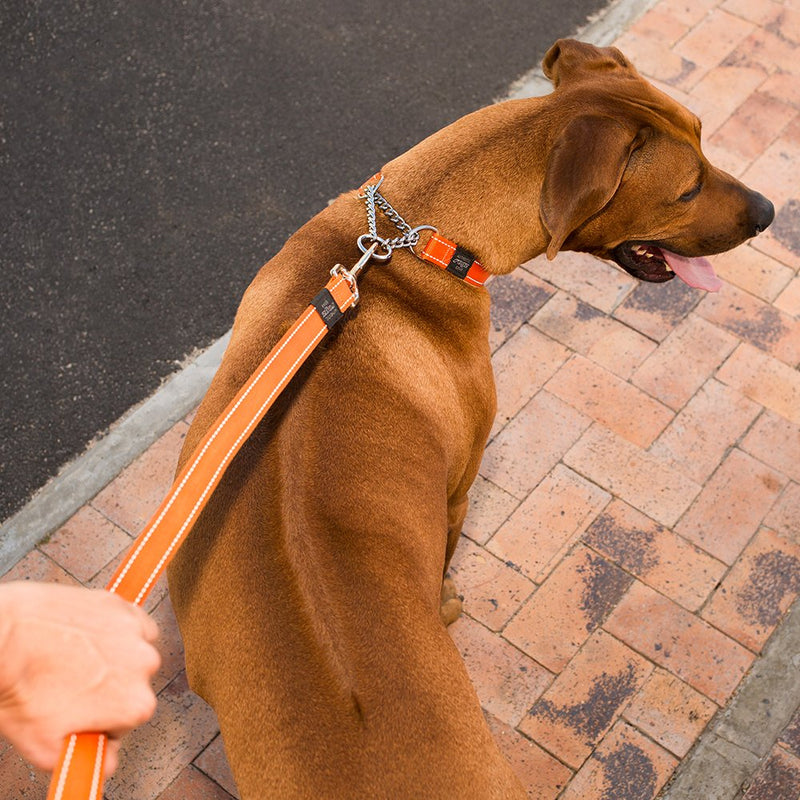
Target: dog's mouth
650,262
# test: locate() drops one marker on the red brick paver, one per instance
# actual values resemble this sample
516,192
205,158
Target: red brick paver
778,779
625,758
554,515
679,642
569,606
611,401
670,711
758,591
728,510
633,537
661,559
586,699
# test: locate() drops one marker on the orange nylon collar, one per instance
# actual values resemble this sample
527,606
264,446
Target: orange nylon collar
456,260
441,252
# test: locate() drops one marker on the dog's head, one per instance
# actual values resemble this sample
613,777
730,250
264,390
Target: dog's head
626,179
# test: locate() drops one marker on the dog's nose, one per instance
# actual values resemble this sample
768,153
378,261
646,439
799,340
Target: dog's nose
763,212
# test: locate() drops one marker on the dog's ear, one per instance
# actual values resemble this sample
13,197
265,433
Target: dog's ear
569,58
583,172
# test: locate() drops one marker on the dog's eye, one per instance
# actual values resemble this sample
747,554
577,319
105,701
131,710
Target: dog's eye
691,194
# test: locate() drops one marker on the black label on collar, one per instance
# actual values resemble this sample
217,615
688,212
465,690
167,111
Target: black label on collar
327,308
460,263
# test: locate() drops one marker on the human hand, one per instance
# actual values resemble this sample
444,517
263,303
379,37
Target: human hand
72,660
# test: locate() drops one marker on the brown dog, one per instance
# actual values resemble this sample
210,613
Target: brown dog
308,595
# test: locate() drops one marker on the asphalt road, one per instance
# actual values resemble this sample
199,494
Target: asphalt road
154,154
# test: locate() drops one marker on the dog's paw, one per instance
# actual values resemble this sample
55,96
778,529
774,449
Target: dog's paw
451,603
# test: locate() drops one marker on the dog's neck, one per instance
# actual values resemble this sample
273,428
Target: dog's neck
478,185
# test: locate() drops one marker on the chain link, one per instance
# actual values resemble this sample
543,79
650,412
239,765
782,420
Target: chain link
375,200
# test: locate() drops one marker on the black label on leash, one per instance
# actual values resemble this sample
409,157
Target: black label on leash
327,308
460,263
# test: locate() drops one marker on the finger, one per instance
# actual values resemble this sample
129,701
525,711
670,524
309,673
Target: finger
151,661
111,756
150,630
42,754
140,705
145,625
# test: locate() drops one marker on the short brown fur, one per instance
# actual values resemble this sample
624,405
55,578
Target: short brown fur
308,595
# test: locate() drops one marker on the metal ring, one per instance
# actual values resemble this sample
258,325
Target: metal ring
417,231
371,240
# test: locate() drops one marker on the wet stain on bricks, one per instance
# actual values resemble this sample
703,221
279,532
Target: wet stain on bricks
515,301
628,774
761,329
586,313
592,716
773,576
672,300
777,27
633,549
786,228
603,587
687,68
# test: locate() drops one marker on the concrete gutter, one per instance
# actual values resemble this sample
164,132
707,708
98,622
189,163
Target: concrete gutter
732,748
81,479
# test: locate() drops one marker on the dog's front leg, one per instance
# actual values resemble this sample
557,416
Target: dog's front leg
451,604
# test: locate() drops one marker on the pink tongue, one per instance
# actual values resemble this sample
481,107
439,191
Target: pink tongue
697,272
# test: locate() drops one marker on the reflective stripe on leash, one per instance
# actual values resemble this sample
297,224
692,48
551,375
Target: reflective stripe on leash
79,774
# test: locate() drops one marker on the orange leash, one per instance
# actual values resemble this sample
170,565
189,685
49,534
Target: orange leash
79,774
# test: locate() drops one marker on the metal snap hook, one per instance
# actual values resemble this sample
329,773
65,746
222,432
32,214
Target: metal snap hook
370,252
350,277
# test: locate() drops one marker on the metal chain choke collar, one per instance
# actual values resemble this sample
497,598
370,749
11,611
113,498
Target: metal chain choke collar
377,247
409,236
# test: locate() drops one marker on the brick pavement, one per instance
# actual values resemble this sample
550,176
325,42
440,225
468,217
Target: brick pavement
634,540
